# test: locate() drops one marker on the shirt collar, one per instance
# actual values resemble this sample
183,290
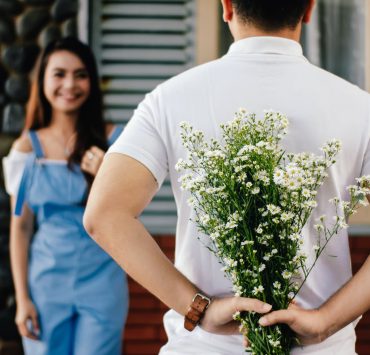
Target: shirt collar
266,45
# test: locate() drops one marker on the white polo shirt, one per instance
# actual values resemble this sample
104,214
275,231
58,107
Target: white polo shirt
257,73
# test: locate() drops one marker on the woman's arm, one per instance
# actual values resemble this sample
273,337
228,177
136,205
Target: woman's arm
21,228
343,307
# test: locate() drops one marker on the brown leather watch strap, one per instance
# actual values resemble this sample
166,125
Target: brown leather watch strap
196,311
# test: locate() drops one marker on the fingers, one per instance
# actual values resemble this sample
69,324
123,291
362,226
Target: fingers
92,160
245,342
35,324
250,305
97,151
27,321
282,316
24,329
244,332
219,315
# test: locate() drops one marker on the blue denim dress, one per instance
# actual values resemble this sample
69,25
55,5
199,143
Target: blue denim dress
80,293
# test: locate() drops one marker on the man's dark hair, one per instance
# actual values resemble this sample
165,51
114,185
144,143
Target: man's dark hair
271,15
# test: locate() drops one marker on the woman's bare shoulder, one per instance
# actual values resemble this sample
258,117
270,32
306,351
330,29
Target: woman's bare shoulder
22,144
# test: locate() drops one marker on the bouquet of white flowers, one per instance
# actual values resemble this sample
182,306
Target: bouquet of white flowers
253,199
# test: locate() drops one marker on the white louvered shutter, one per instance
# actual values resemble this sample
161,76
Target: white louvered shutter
139,44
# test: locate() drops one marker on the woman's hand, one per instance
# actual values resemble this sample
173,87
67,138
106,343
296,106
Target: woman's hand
92,160
218,318
26,319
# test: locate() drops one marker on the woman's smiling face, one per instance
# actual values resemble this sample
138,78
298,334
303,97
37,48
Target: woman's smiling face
66,82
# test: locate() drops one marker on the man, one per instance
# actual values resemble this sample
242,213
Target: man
263,69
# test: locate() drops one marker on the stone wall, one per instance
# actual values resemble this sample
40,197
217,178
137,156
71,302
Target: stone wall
25,28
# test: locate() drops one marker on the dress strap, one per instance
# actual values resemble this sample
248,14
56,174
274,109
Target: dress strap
22,191
36,145
117,130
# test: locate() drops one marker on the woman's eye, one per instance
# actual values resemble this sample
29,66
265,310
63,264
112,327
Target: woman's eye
59,74
81,75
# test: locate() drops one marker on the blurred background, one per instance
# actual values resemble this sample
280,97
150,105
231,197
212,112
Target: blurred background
138,44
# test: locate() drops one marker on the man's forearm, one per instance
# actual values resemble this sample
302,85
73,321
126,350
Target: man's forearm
133,248
121,190
349,302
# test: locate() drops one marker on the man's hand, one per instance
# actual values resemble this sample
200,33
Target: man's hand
314,326
218,317
308,324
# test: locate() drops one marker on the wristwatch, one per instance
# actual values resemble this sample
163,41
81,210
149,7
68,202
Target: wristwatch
196,311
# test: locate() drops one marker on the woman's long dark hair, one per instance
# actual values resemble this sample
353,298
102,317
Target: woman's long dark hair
90,126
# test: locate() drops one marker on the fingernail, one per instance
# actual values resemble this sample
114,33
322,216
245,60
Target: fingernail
266,307
262,321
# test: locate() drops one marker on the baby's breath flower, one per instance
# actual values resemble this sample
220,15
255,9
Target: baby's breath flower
286,216
273,209
255,190
335,200
257,290
319,227
311,203
253,199
236,315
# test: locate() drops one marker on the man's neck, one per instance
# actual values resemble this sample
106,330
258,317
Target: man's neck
242,32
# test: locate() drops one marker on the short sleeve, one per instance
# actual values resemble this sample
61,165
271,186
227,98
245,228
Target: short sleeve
142,138
13,167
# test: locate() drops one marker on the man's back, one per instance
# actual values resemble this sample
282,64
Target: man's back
258,73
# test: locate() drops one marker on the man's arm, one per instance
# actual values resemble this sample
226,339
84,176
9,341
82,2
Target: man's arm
121,190
343,307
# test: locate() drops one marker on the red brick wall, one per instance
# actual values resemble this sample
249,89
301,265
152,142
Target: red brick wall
360,250
144,334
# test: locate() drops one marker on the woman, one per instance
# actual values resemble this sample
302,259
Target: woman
71,296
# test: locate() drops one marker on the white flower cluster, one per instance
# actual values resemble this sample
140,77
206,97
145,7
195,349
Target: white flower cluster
253,200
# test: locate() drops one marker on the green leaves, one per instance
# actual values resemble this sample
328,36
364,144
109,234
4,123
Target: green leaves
253,199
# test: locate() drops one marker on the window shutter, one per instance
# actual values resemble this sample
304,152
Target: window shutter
139,44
